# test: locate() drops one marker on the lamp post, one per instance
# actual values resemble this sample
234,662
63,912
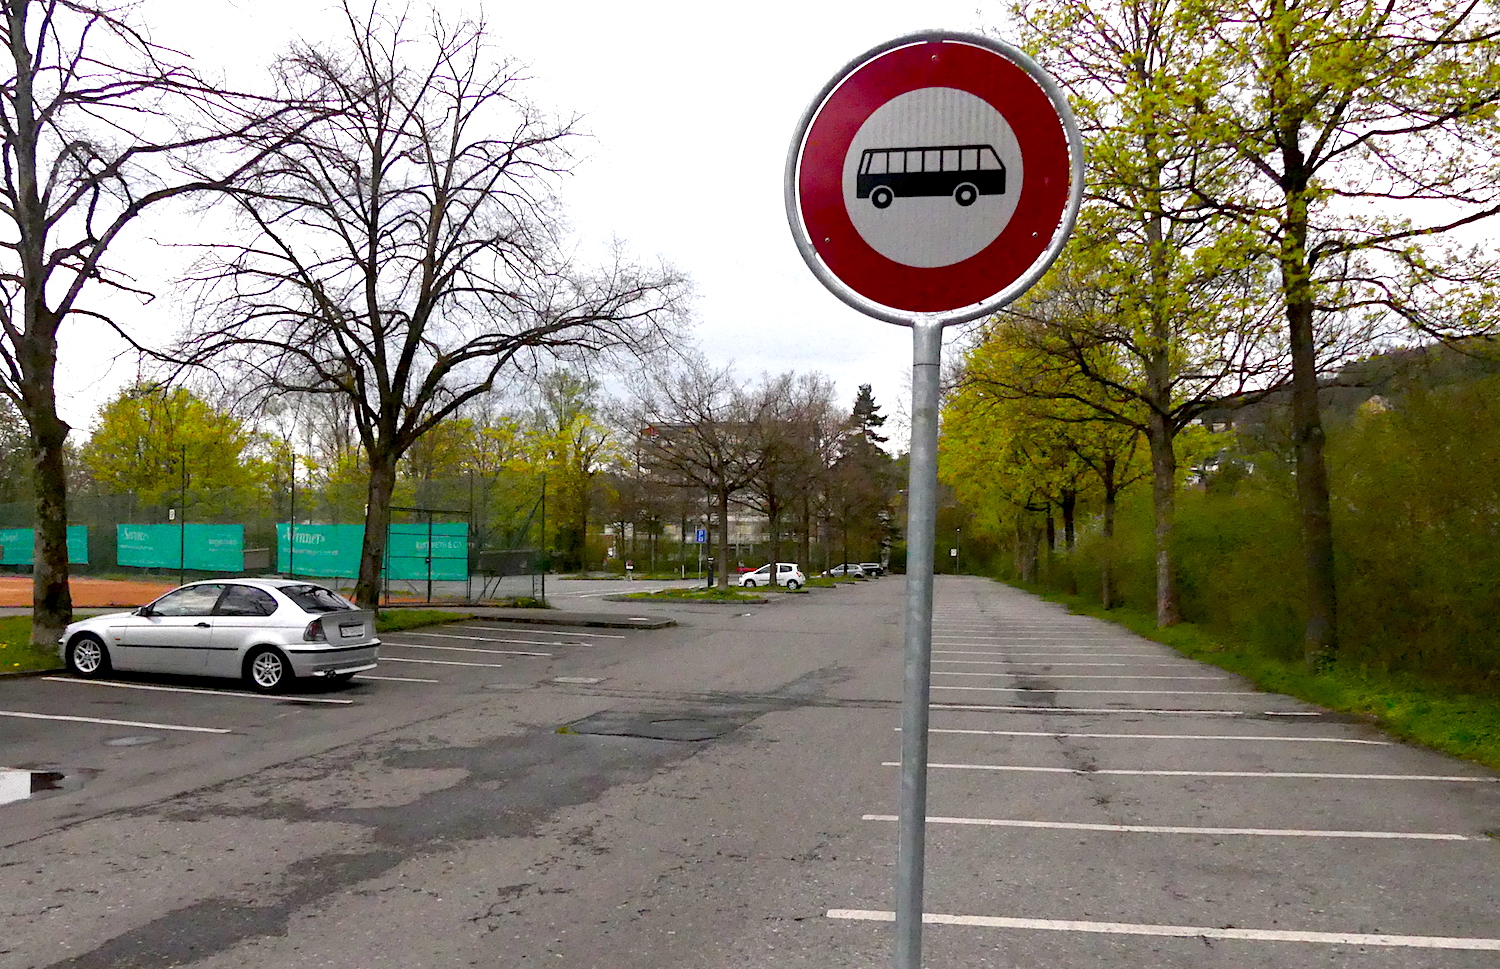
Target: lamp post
956,531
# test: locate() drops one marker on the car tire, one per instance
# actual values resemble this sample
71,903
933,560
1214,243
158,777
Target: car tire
748,584
793,585
267,670
87,657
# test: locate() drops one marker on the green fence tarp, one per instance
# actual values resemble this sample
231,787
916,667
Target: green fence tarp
18,545
207,548
330,551
411,544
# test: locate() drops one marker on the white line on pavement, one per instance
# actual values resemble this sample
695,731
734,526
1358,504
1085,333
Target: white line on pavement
397,679
488,639
184,689
464,649
1008,662
1078,676
538,632
112,723
1156,736
1184,931
1032,689
1303,775
439,662
1181,829
987,707
990,652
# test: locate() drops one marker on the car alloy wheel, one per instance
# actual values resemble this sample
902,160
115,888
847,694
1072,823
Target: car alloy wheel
87,656
267,670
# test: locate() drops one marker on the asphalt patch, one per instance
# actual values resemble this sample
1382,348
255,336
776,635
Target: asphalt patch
687,725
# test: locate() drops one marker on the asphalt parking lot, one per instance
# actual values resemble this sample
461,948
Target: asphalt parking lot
52,724
721,795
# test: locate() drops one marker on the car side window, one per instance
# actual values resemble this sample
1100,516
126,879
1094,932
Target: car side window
193,600
244,600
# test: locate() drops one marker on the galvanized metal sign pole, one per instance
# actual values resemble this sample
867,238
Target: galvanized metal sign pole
931,182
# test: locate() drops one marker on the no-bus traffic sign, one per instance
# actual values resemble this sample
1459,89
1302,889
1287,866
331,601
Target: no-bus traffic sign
936,176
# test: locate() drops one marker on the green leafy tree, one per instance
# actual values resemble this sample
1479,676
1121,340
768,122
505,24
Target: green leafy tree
159,443
1369,131
571,442
1171,301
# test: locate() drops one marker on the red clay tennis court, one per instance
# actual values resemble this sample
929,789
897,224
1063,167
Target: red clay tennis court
15,590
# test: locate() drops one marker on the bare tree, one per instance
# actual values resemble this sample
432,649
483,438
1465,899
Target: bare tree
700,428
408,251
98,124
793,410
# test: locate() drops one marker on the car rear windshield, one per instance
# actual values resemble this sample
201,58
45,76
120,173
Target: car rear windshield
315,598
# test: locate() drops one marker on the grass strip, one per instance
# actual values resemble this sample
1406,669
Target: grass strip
1466,725
395,620
17,655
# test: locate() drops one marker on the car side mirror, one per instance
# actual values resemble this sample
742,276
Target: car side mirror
144,611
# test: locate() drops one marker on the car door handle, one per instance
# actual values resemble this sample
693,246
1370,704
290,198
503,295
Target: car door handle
200,625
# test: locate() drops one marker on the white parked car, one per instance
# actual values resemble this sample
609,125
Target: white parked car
267,631
787,574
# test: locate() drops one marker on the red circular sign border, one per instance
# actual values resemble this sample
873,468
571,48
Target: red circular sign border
907,65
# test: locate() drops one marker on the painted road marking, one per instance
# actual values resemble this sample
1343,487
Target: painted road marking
488,639
112,723
1034,689
465,649
15,785
1183,931
1077,676
987,652
544,632
396,679
1181,829
1302,775
1157,736
987,707
183,689
1008,662
439,662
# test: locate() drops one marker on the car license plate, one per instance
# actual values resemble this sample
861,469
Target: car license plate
351,630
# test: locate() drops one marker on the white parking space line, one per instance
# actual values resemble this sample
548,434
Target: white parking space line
183,689
396,679
1157,736
439,662
1184,931
990,652
1032,689
1076,676
1001,708
151,725
1299,775
15,785
1181,829
1009,662
539,632
466,649
489,639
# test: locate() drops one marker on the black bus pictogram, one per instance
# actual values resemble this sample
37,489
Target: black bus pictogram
962,171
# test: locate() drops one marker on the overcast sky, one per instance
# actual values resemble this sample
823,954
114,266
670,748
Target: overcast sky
690,106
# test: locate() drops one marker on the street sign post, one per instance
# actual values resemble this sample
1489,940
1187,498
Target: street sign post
932,181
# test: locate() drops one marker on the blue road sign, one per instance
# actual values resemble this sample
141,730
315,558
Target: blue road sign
701,536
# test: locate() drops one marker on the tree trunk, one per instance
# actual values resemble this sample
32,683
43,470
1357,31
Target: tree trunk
377,522
1107,561
1320,636
1164,505
1069,514
51,598
723,499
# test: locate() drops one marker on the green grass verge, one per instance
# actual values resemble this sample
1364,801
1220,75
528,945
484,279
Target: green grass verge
1464,724
395,620
17,655
698,594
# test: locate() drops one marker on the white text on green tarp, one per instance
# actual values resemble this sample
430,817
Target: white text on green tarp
18,546
202,548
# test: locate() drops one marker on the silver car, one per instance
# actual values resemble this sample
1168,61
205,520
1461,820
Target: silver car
267,631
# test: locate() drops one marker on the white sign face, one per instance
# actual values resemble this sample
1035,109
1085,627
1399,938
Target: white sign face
932,177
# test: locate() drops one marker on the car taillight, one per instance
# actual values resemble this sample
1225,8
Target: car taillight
314,632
